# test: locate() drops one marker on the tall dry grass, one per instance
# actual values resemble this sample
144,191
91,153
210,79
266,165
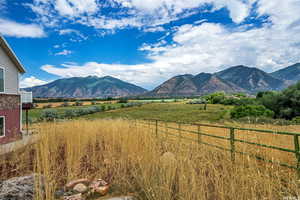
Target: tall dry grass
129,156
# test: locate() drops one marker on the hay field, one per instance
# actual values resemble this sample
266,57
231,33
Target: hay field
129,156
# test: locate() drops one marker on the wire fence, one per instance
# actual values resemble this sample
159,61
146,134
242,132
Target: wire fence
194,132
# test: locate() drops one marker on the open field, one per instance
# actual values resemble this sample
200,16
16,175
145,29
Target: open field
179,111
129,156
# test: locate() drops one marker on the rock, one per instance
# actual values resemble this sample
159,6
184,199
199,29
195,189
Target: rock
102,190
81,188
71,184
74,197
121,198
59,193
99,186
20,188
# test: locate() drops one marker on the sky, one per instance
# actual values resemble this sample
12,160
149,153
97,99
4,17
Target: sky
146,42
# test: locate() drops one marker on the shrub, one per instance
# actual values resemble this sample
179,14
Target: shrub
65,104
78,103
250,111
47,106
103,107
70,113
49,115
123,101
239,102
296,120
215,98
82,111
198,101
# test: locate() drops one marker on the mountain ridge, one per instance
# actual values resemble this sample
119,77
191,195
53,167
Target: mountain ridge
86,87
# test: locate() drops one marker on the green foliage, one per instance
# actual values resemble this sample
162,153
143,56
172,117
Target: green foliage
78,103
47,106
296,120
123,100
285,104
215,98
239,101
65,104
49,115
240,95
250,111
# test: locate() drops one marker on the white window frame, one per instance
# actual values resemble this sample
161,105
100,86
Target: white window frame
3,117
2,92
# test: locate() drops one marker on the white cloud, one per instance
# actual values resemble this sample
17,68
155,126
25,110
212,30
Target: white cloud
14,29
74,8
121,14
74,32
31,82
154,29
64,52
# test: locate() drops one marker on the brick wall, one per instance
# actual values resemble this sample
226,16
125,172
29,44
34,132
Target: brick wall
10,109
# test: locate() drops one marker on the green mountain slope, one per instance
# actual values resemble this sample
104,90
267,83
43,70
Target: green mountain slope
87,87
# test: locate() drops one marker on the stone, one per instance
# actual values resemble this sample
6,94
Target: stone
20,188
81,188
59,193
102,190
74,197
99,186
71,184
121,198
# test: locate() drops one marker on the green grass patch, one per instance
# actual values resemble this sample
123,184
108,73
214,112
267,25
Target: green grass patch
168,111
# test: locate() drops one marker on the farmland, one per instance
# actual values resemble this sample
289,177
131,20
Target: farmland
170,111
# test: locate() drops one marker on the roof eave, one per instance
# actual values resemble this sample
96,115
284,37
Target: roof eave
11,55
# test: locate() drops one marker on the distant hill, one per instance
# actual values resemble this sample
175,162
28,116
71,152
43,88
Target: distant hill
251,79
87,87
290,73
189,85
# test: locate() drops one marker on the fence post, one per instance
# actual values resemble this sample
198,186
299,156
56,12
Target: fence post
232,144
156,128
199,134
297,152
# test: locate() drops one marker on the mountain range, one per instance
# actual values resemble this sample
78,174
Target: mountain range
234,79
86,87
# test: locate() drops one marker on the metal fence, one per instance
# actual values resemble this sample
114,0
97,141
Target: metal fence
159,128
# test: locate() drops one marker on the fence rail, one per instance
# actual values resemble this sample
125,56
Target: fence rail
231,138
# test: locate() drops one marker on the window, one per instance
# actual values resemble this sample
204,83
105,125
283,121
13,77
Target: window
2,126
1,80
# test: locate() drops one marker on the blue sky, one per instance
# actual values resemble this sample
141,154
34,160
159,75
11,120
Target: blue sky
148,41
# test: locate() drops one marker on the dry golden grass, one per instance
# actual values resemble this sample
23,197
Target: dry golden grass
282,141
128,155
